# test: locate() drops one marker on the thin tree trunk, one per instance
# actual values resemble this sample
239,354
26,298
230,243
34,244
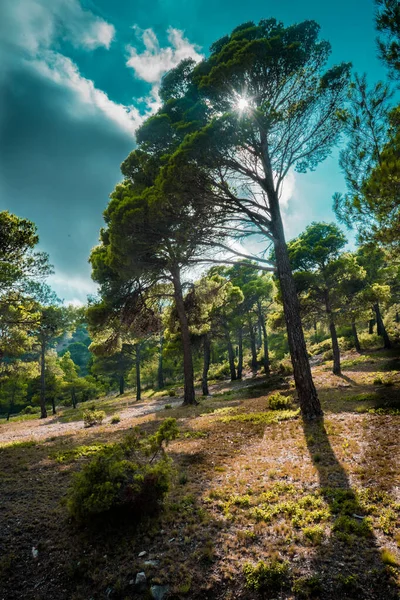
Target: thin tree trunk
43,411
138,381
371,324
160,373
307,394
381,327
263,326
252,333
231,355
240,353
332,329
189,394
206,364
73,397
397,317
355,336
121,384
53,405
259,338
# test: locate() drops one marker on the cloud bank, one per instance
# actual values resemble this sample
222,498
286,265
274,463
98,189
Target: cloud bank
62,139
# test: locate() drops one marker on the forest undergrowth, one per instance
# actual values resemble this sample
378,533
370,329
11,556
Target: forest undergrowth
262,505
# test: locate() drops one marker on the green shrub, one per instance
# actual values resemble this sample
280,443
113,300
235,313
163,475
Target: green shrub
315,534
115,419
328,355
285,366
93,417
172,393
267,577
168,406
388,558
307,587
30,410
278,401
348,525
133,475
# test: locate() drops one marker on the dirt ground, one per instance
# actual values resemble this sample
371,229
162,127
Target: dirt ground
251,484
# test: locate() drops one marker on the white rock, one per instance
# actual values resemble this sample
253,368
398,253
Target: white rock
141,554
35,552
140,579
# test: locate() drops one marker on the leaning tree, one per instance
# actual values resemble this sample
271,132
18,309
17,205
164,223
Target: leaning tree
262,104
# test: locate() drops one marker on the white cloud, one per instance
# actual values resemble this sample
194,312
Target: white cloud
63,71
33,25
151,64
74,289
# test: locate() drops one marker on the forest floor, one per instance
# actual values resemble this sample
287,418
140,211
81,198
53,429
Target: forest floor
251,484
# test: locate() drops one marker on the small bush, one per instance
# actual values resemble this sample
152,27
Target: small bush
267,577
348,525
115,419
307,587
93,417
388,558
168,406
133,475
315,534
30,410
172,393
285,366
328,355
278,401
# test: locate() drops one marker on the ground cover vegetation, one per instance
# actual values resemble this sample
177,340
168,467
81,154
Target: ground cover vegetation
233,433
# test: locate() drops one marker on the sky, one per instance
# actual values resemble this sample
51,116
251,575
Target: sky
78,78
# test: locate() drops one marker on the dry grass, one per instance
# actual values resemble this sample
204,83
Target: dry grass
322,498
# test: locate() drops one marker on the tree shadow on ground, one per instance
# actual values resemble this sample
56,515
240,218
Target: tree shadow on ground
349,561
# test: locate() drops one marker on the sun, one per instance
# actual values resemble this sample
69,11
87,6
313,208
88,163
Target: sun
242,104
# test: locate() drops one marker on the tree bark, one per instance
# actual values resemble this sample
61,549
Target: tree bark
253,347
381,329
189,394
355,336
206,364
231,355
53,405
43,411
138,379
121,384
332,329
73,397
240,353
261,319
307,394
160,373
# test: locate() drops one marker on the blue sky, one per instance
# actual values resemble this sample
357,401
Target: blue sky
78,78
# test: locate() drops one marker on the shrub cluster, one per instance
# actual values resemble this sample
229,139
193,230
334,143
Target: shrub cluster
278,401
133,475
91,417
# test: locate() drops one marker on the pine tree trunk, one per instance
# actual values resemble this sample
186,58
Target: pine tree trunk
252,333
43,411
231,355
53,405
355,336
332,329
307,394
381,327
206,364
261,319
371,324
189,394
73,397
121,384
240,353
160,373
138,379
